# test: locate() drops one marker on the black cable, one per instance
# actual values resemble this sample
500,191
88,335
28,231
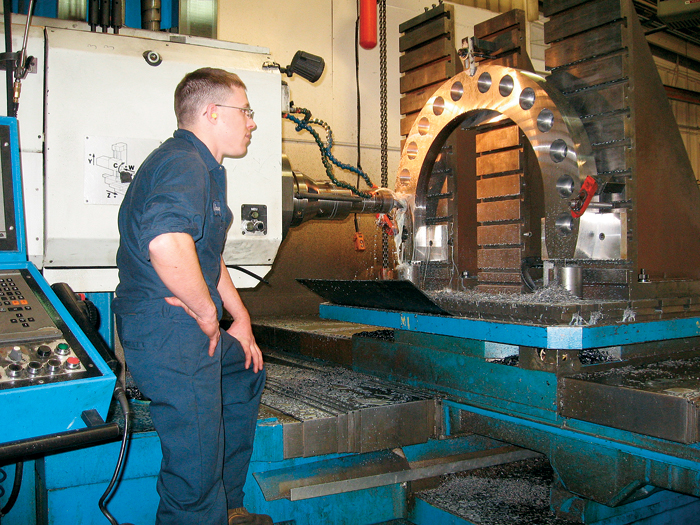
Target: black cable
121,396
248,272
19,470
357,97
9,64
81,316
357,92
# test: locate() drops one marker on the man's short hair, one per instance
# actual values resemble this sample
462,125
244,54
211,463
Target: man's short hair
201,87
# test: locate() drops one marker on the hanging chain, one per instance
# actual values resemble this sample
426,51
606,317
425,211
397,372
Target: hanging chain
383,119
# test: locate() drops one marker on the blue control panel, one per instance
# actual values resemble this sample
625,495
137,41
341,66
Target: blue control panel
50,373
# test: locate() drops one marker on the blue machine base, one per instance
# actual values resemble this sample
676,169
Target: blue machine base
69,486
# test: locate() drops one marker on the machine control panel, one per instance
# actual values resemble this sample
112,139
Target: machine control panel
50,372
254,219
35,346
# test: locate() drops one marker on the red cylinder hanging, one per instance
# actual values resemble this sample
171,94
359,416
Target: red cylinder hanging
368,23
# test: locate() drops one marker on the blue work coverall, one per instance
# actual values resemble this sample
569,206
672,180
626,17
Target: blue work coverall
203,408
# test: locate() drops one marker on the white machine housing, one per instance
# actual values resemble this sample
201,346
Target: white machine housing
91,113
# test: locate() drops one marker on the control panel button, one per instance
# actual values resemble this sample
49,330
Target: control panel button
14,370
72,363
62,349
43,351
15,354
34,367
53,365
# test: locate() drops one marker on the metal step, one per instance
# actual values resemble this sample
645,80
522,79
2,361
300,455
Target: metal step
380,468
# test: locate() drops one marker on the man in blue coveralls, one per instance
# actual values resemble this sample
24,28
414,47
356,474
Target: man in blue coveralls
204,383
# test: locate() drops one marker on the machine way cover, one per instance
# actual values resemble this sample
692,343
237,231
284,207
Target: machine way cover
403,296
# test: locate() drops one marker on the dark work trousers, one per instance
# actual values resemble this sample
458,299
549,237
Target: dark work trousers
204,409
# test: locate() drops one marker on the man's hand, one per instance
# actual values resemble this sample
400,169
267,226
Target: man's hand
174,258
241,328
210,327
242,331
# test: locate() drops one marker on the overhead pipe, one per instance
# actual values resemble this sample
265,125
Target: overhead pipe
150,15
94,14
104,14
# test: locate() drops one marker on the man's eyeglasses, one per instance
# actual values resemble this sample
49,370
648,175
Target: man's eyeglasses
248,112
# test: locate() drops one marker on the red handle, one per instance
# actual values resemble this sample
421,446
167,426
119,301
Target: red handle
368,23
580,203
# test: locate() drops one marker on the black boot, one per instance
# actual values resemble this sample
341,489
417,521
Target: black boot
240,516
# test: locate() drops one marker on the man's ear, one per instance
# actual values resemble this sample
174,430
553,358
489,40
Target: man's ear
211,113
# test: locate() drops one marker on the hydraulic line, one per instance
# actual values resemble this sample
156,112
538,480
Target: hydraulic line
121,397
19,470
326,155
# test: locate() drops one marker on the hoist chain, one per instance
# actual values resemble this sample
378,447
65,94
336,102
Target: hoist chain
383,118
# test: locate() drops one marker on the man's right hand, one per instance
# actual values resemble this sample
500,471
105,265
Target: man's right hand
175,260
210,327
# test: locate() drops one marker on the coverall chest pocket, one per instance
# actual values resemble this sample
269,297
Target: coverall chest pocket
221,215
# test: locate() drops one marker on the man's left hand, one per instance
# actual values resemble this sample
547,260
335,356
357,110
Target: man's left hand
243,331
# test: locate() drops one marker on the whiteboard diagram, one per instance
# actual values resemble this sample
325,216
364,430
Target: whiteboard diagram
110,166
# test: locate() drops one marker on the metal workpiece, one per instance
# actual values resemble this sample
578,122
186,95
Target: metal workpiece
304,199
560,145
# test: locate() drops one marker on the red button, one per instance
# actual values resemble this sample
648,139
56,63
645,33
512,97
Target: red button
73,361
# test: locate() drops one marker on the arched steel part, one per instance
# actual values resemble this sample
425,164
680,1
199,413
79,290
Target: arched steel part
304,199
553,129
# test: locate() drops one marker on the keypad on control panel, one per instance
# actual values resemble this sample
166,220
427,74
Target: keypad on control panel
22,316
38,362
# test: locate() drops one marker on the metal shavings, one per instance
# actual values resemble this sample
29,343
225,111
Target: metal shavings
629,315
320,391
590,356
382,335
679,378
577,320
595,317
550,295
511,360
140,415
502,495
132,391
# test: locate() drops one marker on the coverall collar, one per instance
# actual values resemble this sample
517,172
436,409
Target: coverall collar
209,161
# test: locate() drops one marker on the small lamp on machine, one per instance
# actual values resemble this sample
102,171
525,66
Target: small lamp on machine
305,65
